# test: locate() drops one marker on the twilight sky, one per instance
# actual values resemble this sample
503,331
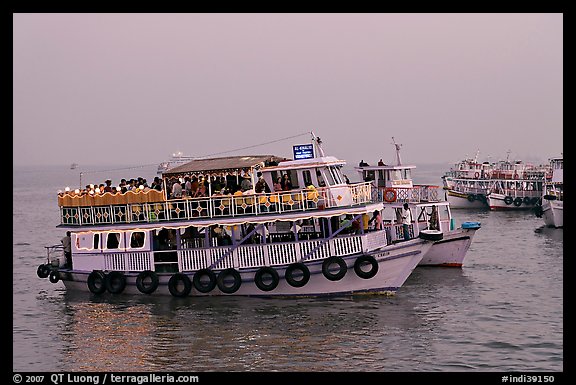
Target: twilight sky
130,89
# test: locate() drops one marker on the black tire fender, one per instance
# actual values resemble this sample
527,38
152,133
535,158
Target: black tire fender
263,272
43,271
290,278
200,285
142,282
221,281
342,268
362,260
54,276
115,282
96,282
174,283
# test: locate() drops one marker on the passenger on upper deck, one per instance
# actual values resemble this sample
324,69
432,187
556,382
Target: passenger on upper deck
261,185
278,184
286,183
176,189
108,187
246,183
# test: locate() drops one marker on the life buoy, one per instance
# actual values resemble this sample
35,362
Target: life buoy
268,274
517,201
200,283
508,200
43,271
526,200
477,175
54,276
389,195
366,260
96,282
297,274
471,197
223,283
147,282
179,285
327,268
115,282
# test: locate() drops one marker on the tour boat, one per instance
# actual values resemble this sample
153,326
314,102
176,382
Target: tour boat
177,159
292,242
495,186
552,206
393,185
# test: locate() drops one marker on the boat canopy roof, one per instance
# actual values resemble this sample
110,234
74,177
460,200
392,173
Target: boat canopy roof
289,164
387,167
226,165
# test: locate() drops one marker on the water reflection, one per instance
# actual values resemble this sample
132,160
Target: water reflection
240,334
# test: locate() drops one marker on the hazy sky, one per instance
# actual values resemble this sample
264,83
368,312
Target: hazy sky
132,89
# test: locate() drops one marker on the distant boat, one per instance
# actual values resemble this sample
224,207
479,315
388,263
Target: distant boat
73,166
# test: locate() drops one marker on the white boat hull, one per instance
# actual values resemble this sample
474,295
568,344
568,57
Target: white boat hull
451,250
552,212
460,201
498,202
395,264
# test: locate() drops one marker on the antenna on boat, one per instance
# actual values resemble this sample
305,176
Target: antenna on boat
476,157
398,161
318,143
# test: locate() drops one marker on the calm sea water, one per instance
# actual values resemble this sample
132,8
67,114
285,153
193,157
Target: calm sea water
501,312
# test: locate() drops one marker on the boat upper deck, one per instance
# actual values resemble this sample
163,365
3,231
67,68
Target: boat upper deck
152,206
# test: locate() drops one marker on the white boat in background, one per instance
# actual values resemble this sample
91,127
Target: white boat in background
73,166
503,185
553,196
393,185
258,240
177,159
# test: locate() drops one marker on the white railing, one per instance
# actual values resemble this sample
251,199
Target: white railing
418,193
216,206
274,254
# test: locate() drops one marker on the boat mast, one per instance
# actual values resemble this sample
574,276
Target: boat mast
398,161
318,144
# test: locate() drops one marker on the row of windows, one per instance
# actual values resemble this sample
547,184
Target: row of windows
110,240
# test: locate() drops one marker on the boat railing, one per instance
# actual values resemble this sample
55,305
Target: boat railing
215,206
416,194
244,256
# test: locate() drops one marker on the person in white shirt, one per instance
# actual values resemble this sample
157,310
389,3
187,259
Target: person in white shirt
406,221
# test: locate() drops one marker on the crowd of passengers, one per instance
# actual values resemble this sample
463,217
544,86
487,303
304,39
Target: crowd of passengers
133,184
190,186
193,187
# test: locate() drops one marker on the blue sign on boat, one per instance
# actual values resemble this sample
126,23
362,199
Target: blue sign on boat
303,151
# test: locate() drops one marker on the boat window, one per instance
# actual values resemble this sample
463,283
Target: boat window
395,175
328,177
293,178
321,182
406,174
113,240
335,174
96,244
307,178
137,239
